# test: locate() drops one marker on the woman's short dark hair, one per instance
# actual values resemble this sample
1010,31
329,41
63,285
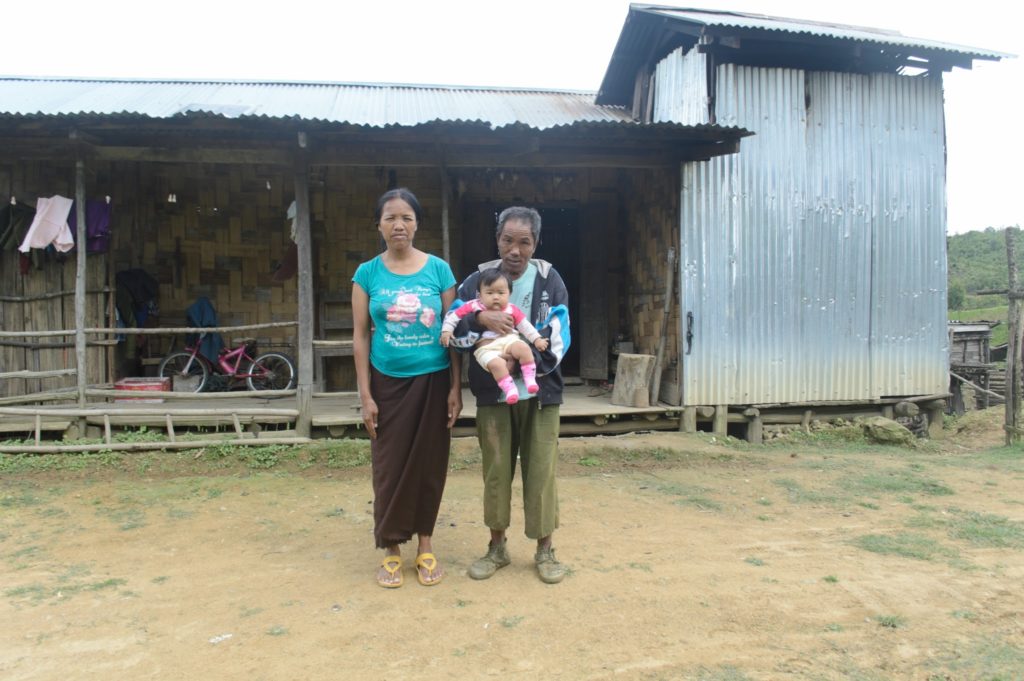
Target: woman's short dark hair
488,277
399,193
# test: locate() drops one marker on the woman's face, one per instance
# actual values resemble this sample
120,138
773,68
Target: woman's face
397,223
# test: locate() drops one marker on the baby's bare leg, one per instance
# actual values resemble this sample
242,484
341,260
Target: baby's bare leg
498,368
521,352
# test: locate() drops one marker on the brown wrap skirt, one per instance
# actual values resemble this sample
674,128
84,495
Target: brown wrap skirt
409,455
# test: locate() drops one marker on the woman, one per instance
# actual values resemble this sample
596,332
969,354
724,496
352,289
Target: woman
408,385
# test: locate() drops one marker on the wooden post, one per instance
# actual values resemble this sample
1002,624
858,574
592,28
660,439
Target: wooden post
80,238
304,389
720,426
1013,350
446,191
688,424
755,426
659,357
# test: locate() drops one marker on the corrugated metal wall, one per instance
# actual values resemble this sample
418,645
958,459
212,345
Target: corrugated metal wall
813,262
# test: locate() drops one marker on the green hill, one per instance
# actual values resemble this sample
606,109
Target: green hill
977,262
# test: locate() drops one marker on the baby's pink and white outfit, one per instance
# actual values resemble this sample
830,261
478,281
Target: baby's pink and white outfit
492,345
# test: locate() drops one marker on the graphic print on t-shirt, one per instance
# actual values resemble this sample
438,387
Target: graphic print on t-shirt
409,321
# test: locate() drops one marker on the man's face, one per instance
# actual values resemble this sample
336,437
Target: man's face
515,247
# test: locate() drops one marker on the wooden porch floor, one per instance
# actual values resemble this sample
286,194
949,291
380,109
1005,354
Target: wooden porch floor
586,410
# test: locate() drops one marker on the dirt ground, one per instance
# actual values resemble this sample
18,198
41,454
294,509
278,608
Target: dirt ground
810,558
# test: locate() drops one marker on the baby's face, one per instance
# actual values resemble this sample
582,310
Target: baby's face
494,296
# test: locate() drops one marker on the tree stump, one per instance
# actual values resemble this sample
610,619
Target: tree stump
632,380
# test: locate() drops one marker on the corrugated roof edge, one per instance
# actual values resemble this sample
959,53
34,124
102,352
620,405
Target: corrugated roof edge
885,36
299,83
577,125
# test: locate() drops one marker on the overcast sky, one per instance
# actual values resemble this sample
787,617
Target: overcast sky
522,43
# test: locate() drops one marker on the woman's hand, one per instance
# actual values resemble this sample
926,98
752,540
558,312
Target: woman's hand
496,321
454,405
369,412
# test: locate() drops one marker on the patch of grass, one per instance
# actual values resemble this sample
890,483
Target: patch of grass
459,603
691,496
833,627
160,579
797,494
277,630
752,560
869,505
511,621
589,461
891,621
989,658
347,453
246,611
179,513
896,482
987,530
905,545
764,518
641,566
335,512
723,673
964,615
831,579
764,502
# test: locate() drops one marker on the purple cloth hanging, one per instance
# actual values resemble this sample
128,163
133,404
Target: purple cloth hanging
97,225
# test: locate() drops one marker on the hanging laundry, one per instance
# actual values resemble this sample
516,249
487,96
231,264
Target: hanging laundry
97,225
50,225
289,264
15,219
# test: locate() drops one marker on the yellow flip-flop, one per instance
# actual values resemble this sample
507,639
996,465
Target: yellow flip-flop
392,565
428,562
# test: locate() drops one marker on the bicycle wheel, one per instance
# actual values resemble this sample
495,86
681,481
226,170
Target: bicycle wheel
271,371
174,367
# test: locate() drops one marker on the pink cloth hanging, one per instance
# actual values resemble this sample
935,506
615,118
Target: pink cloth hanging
50,225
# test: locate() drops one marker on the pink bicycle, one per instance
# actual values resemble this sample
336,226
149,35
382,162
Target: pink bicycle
267,371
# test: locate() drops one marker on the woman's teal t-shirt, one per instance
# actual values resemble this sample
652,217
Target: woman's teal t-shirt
406,313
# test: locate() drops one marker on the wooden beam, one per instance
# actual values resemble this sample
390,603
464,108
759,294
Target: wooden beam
80,355
304,389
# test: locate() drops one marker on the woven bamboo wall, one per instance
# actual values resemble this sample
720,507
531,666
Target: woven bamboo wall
653,202
56,273
227,232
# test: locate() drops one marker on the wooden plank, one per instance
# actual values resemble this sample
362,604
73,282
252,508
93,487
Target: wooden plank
594,303
80,282
143,446
305,290
720,424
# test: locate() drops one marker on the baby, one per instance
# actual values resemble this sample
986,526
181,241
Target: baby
492,350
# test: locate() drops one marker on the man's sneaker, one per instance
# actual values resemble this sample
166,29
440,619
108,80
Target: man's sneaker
548,567
496,558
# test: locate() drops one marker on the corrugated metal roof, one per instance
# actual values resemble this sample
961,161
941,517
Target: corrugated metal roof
373,105
814,28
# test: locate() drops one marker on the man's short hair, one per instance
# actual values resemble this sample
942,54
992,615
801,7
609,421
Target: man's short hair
523,214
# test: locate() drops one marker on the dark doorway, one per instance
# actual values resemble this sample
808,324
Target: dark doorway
559,245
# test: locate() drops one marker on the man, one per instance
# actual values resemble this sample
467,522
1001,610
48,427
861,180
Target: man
527,429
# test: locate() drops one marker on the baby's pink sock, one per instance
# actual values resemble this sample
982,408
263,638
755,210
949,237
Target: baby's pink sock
509,386
530,377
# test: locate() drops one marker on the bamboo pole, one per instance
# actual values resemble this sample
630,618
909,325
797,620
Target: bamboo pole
143,446
445,236
180,395
48,296
25,373
150,330
80,355
101,410
655,387
305,285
